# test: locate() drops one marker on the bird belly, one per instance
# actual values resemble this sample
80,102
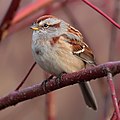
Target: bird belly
57,60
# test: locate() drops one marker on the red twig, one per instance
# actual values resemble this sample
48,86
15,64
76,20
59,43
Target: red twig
50,103
102,13
25,78
6,22
113,93
114,116
51,85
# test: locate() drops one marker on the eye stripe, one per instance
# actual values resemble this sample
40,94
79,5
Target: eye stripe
46,25
55,25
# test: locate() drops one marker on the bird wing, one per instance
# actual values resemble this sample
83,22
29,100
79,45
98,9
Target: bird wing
80,49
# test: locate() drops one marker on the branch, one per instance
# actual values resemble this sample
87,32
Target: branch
51,85
50,105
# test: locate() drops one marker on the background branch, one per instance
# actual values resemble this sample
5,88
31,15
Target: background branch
51,85
6,22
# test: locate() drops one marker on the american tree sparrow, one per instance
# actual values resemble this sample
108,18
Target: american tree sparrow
58,47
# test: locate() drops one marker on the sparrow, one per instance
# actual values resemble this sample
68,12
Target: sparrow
58,47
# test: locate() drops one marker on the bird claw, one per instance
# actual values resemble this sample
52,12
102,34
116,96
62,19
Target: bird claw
44,83
58,78
57,81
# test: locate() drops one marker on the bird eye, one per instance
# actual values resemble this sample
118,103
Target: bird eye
45,25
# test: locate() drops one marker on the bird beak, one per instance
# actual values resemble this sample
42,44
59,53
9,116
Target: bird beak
34,27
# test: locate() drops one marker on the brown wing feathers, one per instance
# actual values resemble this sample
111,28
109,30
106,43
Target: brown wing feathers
80,48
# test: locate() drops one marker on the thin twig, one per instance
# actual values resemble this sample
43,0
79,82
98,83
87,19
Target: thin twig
102,13
113,93
67,79
50,109
25,78
50,102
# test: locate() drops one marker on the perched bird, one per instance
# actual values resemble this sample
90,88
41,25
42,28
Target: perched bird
58,47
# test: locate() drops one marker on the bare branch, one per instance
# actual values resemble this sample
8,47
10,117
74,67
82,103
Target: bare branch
67,79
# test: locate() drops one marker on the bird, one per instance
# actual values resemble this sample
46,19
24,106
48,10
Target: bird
58,47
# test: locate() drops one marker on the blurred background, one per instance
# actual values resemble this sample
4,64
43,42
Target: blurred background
16,56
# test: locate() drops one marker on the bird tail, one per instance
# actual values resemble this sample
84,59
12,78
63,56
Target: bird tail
88,95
